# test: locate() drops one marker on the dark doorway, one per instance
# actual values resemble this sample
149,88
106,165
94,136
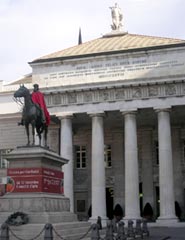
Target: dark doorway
109,202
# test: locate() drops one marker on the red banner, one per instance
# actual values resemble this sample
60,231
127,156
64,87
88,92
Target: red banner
27,184
24,171
36,180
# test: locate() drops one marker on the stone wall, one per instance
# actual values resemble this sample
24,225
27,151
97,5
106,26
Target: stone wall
11,134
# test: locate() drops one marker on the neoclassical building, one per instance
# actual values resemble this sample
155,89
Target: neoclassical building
117,105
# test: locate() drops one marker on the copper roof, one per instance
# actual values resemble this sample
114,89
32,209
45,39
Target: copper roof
109,44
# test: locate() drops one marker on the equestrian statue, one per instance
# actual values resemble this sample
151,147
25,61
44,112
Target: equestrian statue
34,112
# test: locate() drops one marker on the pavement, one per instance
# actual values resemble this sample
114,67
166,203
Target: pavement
164,233
173,232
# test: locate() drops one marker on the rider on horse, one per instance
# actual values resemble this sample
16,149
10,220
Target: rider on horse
38,99
34,113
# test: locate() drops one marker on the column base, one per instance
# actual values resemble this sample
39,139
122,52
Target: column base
95,219
132,217
167,220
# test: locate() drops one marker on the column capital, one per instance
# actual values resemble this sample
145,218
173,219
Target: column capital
64,115
130,111
96,114
162,109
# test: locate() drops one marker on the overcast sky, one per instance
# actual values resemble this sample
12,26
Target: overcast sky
32,28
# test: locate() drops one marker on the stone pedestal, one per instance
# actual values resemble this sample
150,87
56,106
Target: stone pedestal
36,178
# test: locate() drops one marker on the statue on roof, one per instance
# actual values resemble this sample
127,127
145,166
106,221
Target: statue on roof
117,17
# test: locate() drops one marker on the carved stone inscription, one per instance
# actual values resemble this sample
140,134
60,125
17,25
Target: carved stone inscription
115,69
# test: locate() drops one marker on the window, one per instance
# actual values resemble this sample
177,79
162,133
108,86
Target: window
107,156
81,156
156,152
3,161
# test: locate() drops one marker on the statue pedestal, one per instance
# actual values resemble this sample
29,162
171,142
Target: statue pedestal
36,186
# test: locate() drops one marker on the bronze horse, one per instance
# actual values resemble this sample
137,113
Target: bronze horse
31,114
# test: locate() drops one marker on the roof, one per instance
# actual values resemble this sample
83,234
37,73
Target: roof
112,43
26,79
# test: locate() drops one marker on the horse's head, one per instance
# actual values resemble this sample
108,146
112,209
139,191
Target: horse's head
21,92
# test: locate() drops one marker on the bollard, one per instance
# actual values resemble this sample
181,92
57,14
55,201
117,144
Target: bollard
99,222
95,232
138,230
130,231
121,231
48,235
145,228
114,226
109,231
4,232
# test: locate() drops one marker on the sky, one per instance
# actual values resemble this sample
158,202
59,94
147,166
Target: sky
30,29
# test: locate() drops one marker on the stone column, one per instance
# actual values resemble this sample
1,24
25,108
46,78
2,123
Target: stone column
98,169
66,151
167,201
132,210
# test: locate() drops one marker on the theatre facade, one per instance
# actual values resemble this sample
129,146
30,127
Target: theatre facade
117,105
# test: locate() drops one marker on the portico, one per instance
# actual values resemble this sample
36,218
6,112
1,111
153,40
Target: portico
138,161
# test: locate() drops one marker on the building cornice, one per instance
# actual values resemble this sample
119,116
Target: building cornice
162,90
